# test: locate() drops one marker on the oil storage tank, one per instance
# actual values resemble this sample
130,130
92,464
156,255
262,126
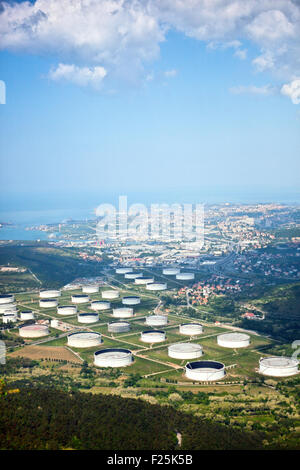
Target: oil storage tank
205,371
124,270
113,357
185,276
185,351
133,275
48,303
67,309
110,294
156,286
191,329
123,312
33,331
7,298
171,271
278,366
131,300
233,340
100,305
87,317
119,327
26,315
80,298
157,320
143,280
84,339
50,294
90,289
5,308
153,336
9,317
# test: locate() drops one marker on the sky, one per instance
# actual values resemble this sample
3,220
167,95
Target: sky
181,97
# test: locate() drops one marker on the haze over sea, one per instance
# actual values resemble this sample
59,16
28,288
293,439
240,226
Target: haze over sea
37,209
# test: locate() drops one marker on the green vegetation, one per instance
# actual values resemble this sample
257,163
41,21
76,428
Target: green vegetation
282,308
52,266
85,421
17,282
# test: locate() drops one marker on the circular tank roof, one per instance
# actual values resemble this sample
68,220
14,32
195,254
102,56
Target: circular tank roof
233,337
113,352
85,335
205,365
281,362
185,347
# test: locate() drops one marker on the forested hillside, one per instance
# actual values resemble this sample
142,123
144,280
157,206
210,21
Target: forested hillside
281,305
40,418
53,266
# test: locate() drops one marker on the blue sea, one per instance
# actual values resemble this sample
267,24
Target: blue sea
23,219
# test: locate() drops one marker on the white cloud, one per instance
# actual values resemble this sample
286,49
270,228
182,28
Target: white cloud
170,73
264,62
292,90
271,26
241,54
117,33
149,77
123,35
82,76
223,45
253,90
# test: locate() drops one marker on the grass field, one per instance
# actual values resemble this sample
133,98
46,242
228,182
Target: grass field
46,352
246,360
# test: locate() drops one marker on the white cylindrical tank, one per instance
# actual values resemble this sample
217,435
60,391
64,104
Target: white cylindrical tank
171,271
185,351
27,315
90,289
34,331
80,298
278,366
67,309
118,327
124,270
11,307
156,286
123,312
133,275
143,280
191,329
9,317
50,294
48,303
113,357
157,320
84,339
110,294
131,300
87,317
6,298
153,336
233,340
100,305
205,371
54,323
185,276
